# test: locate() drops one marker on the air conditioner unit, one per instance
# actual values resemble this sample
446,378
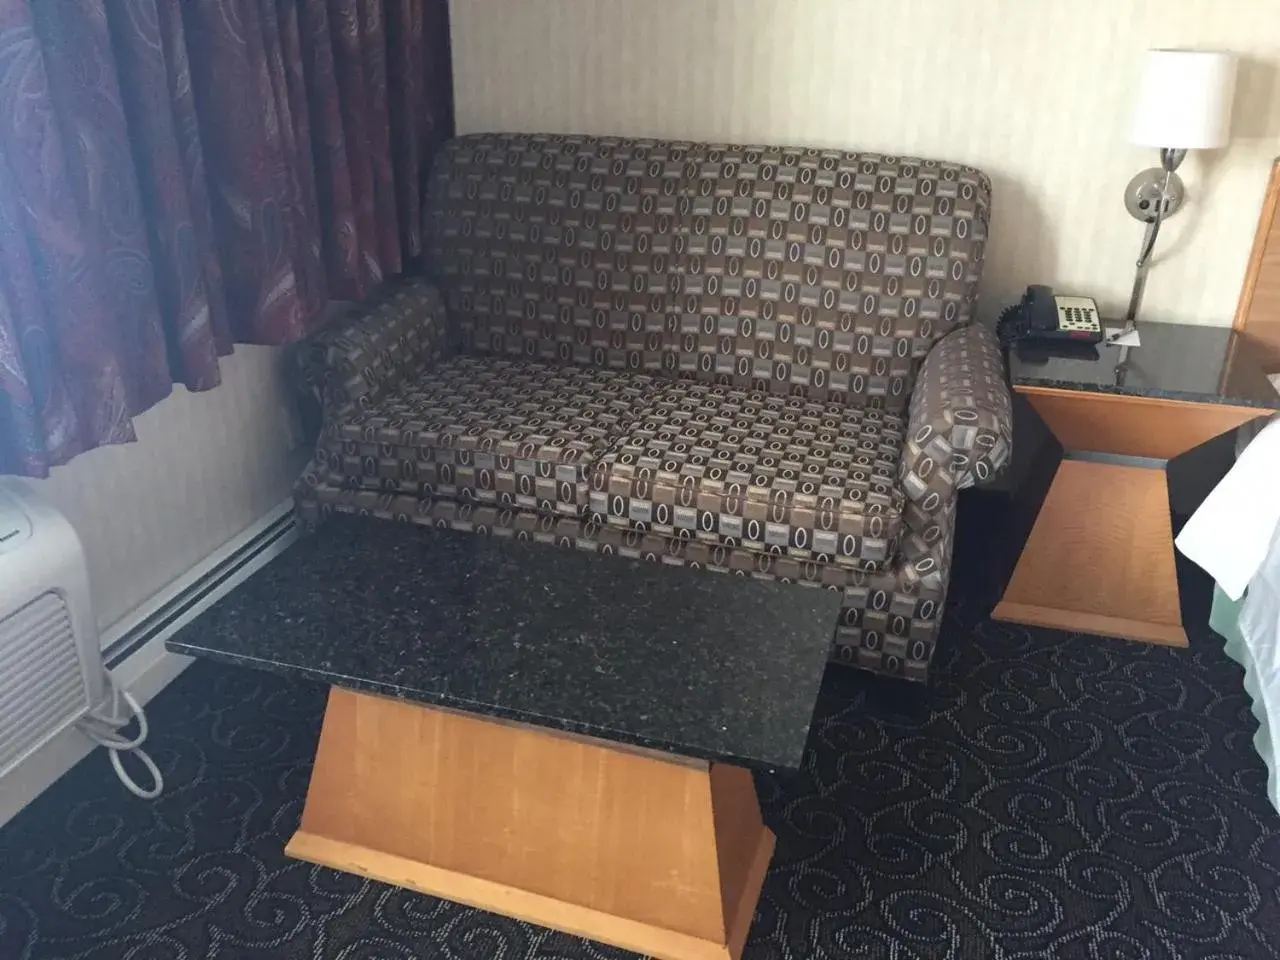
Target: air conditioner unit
51,669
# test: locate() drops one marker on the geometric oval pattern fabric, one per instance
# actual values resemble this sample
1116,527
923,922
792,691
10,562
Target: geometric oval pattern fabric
778,475
374,347
479,430
959,431
821,273
824,272
559,248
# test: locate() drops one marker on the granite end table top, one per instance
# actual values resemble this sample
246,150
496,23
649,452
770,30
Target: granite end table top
687,661
1176,361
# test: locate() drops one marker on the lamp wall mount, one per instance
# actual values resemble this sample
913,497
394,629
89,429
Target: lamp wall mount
1157,192
1152,199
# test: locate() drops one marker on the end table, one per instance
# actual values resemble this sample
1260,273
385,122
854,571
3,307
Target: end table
1099,558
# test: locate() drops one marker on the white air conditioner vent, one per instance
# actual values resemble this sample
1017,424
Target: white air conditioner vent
42,684
50,666
51,670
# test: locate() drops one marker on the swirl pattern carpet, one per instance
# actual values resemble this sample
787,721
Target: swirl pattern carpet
1047,795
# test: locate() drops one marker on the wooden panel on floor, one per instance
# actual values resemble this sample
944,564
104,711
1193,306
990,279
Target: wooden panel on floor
1133,426
659,855
1100,557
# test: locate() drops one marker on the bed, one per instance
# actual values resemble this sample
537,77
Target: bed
1235,536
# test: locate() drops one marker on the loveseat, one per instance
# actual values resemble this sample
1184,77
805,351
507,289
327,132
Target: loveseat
755,360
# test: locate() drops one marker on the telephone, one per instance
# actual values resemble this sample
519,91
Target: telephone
1043,316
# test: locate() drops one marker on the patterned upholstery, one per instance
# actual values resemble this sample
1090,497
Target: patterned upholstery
366,352
558,248
820,273
777,475
823,272
889,619
960,430
492,431
756,360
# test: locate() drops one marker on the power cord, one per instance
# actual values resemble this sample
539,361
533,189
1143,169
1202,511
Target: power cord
103,728
1014,324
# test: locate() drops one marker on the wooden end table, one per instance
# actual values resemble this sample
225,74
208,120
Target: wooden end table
555,736
1099,558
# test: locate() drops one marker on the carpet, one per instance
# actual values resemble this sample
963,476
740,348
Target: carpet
1046,795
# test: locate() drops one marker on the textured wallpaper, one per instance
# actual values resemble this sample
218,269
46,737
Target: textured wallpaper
205,467
1035,92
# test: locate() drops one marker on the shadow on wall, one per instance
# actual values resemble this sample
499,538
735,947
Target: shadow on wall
1255,117
1022,249
1255,113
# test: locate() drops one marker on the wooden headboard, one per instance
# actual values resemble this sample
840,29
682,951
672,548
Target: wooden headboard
1258,313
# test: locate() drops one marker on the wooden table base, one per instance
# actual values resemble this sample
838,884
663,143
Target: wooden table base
1100,557
635,848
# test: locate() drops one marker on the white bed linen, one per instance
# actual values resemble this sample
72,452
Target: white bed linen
1230,534
1235,536
1245,632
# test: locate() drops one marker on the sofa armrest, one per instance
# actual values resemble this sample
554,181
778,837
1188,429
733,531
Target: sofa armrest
960,429
370,348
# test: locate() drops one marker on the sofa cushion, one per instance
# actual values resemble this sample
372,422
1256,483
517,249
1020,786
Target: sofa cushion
823,272
781,475
558,248
490,431
808,271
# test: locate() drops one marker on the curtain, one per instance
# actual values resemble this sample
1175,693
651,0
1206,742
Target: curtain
179,175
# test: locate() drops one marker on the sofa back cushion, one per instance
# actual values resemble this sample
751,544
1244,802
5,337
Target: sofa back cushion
818,273
822,272
557,248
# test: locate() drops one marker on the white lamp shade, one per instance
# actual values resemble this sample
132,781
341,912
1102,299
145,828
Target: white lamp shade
1184,99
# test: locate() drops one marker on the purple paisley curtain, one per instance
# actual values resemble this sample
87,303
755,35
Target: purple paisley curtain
179,175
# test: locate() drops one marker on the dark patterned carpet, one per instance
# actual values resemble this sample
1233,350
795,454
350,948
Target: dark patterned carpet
1046,796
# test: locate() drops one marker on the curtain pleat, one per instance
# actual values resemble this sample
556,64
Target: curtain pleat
177,176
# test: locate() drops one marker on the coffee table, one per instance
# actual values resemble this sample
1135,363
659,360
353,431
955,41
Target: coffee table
552,735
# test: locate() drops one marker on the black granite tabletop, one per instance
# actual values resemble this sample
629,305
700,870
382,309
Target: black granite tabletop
688,661
1175,361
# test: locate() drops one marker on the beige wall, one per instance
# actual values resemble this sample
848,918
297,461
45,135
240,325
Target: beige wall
205,467
1035,92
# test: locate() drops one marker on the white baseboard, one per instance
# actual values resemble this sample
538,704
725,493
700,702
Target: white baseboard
134,649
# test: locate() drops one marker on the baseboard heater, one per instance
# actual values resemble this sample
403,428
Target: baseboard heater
206,588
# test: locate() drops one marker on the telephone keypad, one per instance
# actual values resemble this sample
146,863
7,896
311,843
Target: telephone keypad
1079,318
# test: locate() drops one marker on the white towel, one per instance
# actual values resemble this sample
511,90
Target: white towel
1230,534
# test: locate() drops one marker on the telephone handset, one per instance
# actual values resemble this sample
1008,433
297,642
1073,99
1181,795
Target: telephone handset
1043,316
